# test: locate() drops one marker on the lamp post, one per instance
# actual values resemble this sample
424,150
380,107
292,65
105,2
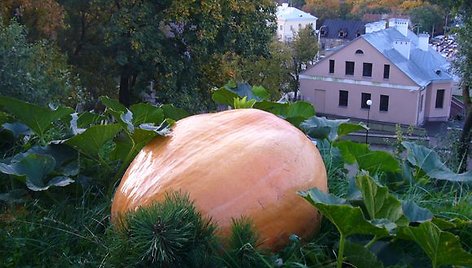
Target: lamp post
369,103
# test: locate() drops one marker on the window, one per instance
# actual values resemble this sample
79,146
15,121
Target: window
364,98
343,97
281,27
383,103
359,51
349,68
367,70
299,26
291,27
440,98
386,71
331,66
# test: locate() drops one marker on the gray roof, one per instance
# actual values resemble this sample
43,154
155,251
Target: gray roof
422,67
354,28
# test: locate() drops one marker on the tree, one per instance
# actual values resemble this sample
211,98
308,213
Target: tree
323,9
173,42
34,72
463,65
43,19
305,49
426,17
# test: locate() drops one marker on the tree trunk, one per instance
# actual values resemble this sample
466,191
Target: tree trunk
464,142
125,86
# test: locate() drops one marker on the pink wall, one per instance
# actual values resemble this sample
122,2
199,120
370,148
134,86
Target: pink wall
402,108
370,55
438,114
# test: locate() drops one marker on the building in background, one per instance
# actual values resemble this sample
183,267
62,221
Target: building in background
290,20
336,32
406,80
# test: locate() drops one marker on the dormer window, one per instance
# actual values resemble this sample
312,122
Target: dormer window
342,33
323,31
359,52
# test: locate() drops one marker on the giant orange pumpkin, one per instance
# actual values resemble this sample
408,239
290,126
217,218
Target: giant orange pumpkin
235,163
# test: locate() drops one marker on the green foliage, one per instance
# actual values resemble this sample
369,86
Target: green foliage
35,72
38,119
111,145
387,220
429,162
242,246
171,233
426,17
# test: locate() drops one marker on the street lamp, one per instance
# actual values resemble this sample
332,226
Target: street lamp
369,103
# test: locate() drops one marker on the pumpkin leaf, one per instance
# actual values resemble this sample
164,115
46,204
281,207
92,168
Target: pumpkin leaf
17,129
224,96
429,161
260,92
443,248
146,113
323,128
348,220
33,169
301,109
415,213
174,113
359,256
113,104
38,119
86,119
372,161
90,141
272,107
379,203
4,118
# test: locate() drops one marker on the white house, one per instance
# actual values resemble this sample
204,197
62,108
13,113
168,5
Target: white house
290,20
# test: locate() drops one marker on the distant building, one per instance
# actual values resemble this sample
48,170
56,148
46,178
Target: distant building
290,20
406,80
336,32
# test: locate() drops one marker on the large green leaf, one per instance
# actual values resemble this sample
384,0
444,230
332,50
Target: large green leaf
90,141
260,92
272,107
146,113
443,248
380,204
372,161
34,169
38,119
415,213
348,220
224,96
429,161
174,113
298,112
323,128
361,257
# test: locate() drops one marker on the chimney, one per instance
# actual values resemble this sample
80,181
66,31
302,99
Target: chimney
284,5
423,41
400,24
403,47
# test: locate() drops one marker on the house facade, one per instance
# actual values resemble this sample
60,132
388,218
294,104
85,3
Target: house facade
290,20
406,80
